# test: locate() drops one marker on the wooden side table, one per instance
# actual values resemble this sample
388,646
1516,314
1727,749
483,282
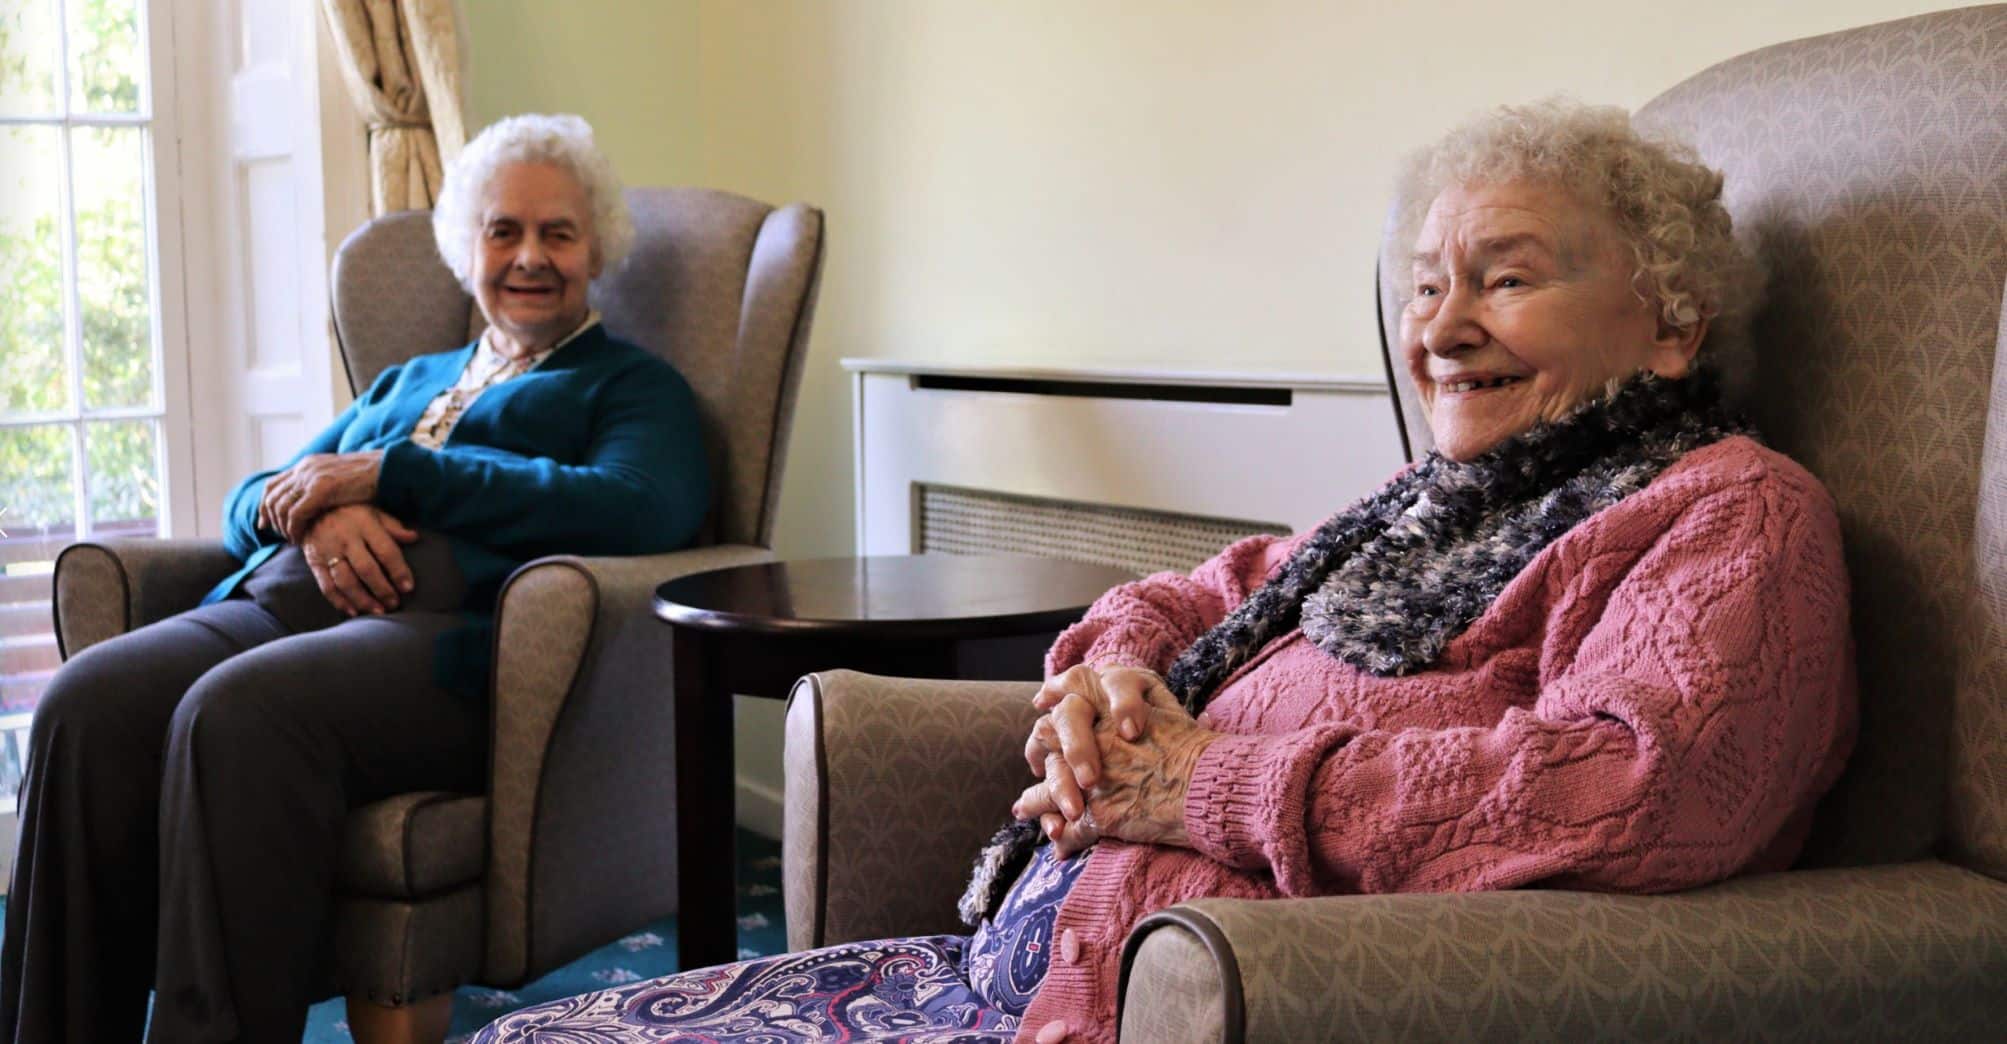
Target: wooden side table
755,629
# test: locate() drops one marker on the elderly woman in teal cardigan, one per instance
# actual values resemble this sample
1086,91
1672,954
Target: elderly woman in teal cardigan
186,783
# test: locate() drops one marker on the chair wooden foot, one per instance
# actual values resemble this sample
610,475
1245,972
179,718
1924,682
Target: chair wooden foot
422,1023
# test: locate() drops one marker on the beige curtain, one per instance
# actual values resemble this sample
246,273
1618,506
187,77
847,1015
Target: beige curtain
401,60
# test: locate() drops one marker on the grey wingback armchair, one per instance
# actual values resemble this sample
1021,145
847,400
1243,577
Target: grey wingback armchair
439,889
1868,169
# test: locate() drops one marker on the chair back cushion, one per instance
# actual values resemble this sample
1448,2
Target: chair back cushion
724,288
721,286
1867,169
1977,833
394,297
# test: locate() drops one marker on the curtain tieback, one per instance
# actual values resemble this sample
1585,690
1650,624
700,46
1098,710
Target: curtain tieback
384,125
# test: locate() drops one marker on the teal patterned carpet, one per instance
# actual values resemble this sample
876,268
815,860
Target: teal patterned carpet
645,954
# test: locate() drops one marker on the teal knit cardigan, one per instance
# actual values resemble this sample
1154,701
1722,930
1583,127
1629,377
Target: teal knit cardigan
598,451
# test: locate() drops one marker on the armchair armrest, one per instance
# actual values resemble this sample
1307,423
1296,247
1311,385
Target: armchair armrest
1915,951
892,786
105,588
582,795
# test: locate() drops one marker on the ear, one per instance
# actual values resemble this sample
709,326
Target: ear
1674,347
598,263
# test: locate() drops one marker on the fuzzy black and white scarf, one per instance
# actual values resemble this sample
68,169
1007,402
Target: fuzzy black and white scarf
1388,583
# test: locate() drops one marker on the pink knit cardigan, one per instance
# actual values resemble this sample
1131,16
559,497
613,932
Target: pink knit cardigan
1654,703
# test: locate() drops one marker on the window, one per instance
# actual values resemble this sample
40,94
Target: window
82,440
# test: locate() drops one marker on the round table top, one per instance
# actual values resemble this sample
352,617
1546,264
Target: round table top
890,596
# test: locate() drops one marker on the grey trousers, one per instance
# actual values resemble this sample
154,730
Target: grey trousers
183,800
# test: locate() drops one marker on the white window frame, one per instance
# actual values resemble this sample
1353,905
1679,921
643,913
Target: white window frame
201,85
160,118
158,121
170,264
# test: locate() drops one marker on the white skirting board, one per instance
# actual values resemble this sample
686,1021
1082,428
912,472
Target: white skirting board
759,725
759,806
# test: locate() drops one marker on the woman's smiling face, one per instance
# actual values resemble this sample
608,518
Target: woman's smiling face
1523,308
534,256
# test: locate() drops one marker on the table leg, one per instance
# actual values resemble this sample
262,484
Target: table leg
707,895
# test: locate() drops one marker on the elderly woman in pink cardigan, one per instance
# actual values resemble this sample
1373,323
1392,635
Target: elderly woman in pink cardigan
1597,639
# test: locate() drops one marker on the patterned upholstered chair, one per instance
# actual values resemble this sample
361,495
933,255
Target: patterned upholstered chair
1869,170
439,889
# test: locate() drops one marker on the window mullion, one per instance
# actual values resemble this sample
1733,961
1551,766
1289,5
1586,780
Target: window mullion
149,220
63,56
73,335
99,119
80,463
143,35
73,316
72,325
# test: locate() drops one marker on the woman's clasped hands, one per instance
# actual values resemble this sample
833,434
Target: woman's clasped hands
355,549
297,497
1117,752
356,552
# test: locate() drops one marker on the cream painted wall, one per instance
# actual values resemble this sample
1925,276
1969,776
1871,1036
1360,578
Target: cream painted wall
1146,183
627,66
1150,183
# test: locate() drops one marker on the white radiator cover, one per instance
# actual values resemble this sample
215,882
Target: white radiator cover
959,521
1137,468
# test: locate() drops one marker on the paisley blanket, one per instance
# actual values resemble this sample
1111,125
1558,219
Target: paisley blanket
936,989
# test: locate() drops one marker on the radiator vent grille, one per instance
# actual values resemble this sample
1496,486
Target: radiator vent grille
958,521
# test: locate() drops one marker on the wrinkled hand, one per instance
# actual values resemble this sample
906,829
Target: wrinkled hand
296,497
1074,701
1139,793
357,556
1062,746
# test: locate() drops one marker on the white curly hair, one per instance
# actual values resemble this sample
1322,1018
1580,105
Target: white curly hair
1665,201
562,141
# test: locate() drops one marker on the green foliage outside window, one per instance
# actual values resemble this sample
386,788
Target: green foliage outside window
114,313
109,54
31,326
